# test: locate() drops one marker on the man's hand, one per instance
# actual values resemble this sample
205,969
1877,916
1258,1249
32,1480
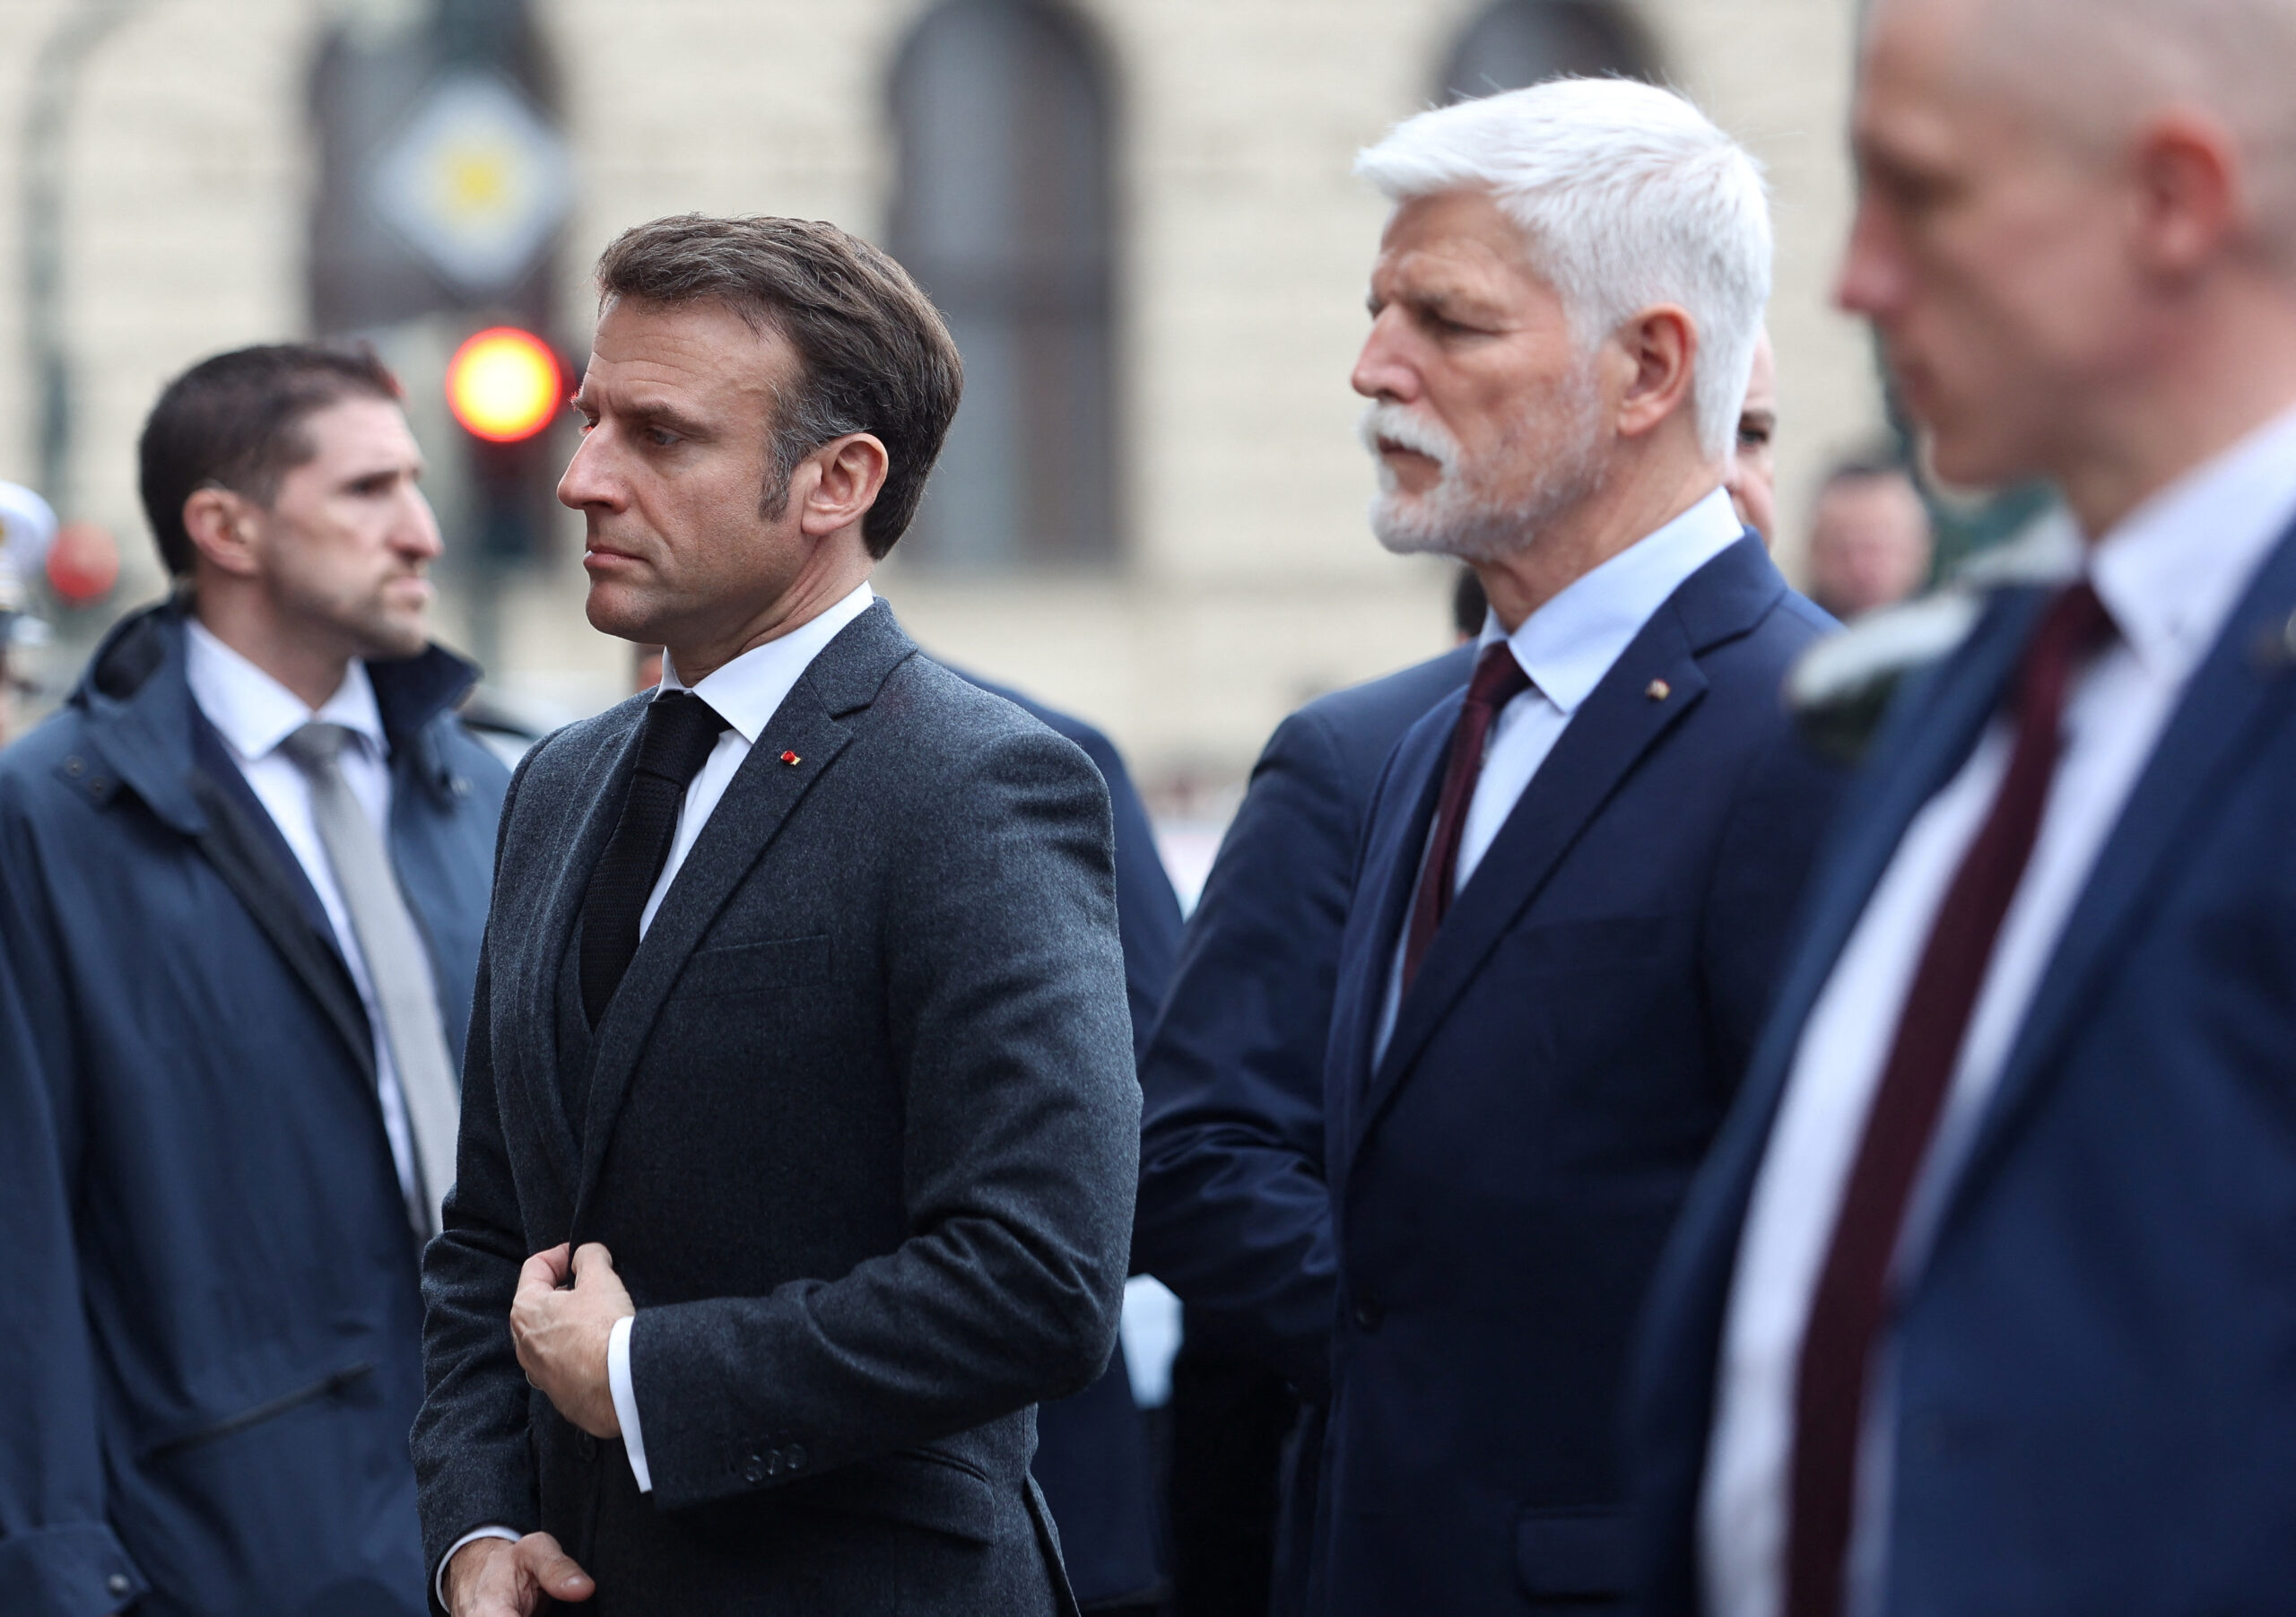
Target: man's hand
561,1319
494,1577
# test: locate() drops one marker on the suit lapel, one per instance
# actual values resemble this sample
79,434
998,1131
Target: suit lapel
1924,744
757,802
1613,729
1390,872
604,784
2241,689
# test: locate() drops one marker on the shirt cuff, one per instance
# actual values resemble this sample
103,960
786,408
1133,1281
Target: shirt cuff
625,1400
445,1561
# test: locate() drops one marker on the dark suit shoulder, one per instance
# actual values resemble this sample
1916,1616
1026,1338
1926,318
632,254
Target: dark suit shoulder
948,726
1358,726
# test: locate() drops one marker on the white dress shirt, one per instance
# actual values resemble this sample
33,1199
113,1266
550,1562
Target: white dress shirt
746,694
254,713
2170,575
1566,647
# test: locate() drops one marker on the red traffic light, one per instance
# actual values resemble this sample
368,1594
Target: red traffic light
504,385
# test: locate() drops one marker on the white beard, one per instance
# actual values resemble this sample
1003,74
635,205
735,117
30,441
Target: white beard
1455,518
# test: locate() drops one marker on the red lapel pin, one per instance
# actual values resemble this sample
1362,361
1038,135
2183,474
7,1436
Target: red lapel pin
791,759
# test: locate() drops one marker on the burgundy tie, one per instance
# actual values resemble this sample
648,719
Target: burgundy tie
1851,1299
1498,679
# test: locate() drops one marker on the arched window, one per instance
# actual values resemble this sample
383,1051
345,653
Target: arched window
1002,213
1520,42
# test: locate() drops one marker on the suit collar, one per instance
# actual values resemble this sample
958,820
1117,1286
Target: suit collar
136,699
798,746
747,692
1620,722
1569,644
2244,685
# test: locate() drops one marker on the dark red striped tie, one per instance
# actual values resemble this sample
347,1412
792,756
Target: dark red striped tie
1498,679
1852,1298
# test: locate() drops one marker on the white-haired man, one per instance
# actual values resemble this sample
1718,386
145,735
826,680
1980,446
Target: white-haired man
1985,1305
1576,872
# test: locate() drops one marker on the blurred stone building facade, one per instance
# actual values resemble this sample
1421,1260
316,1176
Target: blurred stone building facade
1138,214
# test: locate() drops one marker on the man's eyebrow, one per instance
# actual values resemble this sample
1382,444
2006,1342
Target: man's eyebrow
659,413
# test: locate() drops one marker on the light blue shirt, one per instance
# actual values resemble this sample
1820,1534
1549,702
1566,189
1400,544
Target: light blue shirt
1567,647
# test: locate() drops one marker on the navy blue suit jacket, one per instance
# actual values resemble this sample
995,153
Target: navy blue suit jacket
2096,1363
1092,1457
1233,1213
1503,1178
209,1356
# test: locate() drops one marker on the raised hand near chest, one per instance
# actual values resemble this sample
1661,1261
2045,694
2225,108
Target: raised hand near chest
561,1321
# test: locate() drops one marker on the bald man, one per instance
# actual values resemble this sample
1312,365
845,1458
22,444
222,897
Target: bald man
1986,1304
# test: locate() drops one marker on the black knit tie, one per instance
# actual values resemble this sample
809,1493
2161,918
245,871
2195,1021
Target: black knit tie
679,732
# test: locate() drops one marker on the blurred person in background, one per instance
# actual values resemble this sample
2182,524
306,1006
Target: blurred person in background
1574,874
1983,1308
1870,543
242,877
1753,475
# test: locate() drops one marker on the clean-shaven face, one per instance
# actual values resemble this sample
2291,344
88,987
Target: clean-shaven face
1485,412
677,407
1988,253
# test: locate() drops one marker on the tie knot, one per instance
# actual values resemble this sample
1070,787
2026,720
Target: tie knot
315,746
1499,678
680,731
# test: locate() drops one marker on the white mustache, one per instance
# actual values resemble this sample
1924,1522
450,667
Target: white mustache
1385,420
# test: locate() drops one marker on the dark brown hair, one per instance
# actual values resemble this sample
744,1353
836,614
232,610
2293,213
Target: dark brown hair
235,422
877,357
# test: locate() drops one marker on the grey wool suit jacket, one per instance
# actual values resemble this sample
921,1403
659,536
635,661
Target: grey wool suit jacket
860,1129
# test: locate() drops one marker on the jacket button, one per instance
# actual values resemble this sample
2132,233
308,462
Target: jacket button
116,1583
753,1469
586,1446
1370,1313
773,1462
794,1455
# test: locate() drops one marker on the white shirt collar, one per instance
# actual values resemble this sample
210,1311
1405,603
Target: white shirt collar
750,690
1568,645
253,712
2170,571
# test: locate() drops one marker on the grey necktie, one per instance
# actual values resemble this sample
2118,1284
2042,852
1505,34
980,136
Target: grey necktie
396,966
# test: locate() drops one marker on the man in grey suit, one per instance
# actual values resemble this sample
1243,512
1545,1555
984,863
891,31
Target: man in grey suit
800,1124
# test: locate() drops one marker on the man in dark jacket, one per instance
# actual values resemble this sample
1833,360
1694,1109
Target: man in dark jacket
1233,1208
242,882
1093,1459
801,1046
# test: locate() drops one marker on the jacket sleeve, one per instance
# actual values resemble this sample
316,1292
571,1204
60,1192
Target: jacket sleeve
471,1463
1004,996
1234,1214
58,1554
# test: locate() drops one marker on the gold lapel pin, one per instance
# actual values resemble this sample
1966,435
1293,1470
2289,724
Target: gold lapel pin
1657,690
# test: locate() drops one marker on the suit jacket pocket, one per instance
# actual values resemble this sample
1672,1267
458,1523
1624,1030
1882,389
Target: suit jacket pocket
1571,1554
922,1487
778,962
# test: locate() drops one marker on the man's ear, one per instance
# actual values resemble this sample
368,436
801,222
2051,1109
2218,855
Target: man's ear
1660,348
2190,194
838,483
222,529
